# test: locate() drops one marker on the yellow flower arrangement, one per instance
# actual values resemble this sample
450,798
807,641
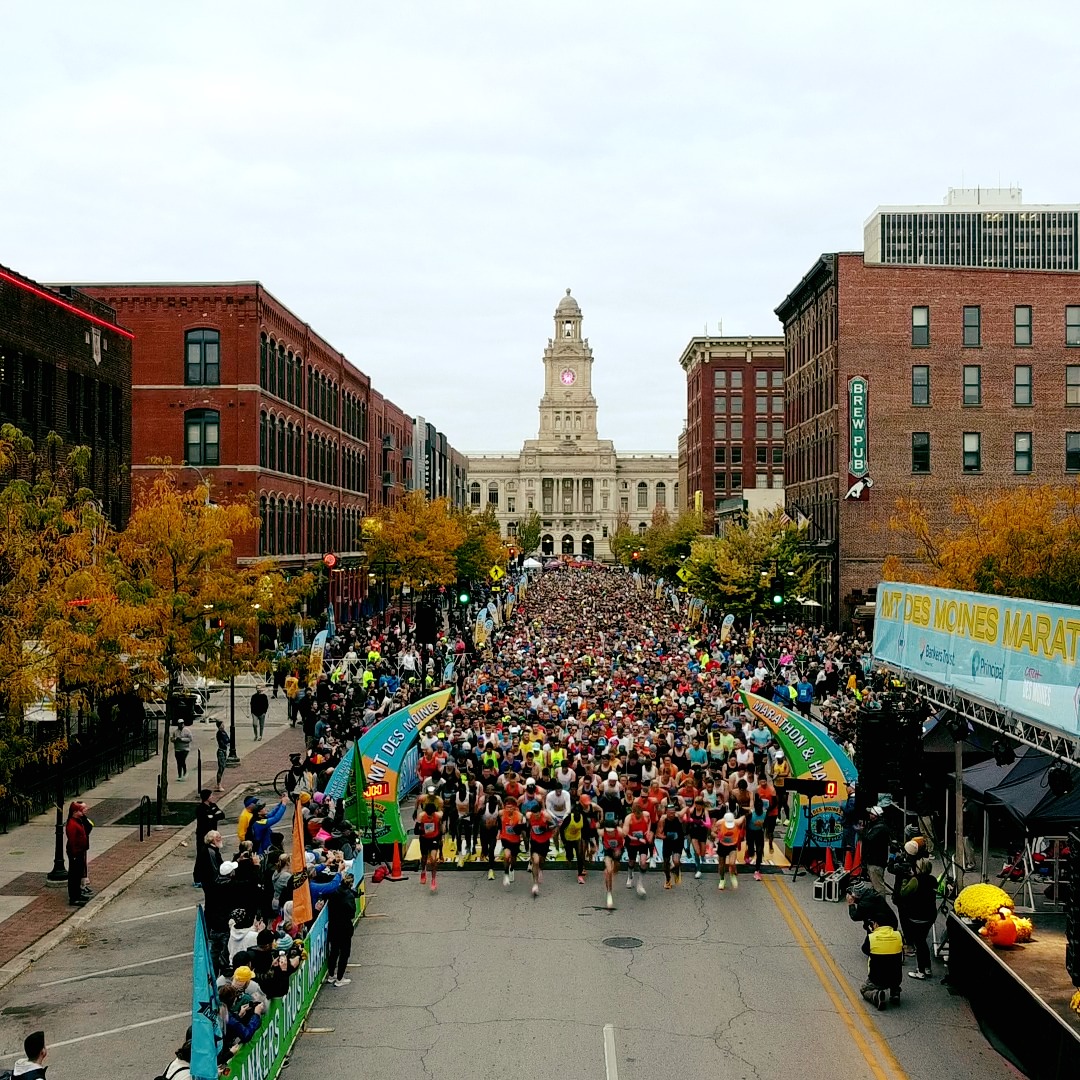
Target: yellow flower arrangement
1075,1003
981,901
1023,929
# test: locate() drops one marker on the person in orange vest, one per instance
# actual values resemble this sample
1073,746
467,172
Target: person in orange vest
727,832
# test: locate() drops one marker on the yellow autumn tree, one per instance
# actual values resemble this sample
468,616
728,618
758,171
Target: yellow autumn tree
1021,542
415,541
481,545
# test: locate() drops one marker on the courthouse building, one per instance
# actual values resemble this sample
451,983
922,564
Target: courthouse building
576,481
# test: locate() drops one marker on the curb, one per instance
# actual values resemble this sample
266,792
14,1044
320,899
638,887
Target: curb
76,921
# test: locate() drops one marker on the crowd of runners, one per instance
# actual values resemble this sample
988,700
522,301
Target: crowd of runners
598,725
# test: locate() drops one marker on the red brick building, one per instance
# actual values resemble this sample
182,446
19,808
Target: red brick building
229,382
926,381
65,367
734,445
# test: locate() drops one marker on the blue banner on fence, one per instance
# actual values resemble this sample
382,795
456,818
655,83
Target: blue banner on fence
1020,655
339,778
206,1028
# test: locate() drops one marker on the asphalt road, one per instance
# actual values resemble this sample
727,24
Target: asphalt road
478,981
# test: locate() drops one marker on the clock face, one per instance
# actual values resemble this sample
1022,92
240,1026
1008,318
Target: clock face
568,376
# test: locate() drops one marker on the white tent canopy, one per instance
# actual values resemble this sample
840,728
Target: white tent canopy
532,564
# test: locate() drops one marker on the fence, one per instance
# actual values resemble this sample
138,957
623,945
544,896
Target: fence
37,790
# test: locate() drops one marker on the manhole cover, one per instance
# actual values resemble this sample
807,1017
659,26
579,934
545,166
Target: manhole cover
624,942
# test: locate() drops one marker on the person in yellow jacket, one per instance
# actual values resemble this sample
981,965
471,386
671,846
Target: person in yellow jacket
243,822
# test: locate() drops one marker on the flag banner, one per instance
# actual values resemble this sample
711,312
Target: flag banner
725,628
339,778
207,1033
302,909
318,651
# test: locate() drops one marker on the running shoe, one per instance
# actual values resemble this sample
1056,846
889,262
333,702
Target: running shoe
757,875
610,901
667,884
697,875
652,864
919,974
434,886
536,890
640,889
678,877
629,881
511,877
423,877
734,881
342,982
879,1000
506,881
491,875
581,879
721,885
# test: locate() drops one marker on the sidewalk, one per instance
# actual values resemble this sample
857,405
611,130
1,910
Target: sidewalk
31,909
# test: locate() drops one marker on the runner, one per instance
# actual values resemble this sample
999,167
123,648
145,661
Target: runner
611,843
511,829
756,823
490,809
727,832
542,827
430,826
572,833
698,827
638,831
671,833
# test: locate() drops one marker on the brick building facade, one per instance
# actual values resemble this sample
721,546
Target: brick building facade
229,383
65,367
924,381
734,438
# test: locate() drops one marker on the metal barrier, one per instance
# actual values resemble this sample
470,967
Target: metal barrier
145,809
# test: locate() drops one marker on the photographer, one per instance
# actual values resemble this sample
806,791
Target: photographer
867,906
876,841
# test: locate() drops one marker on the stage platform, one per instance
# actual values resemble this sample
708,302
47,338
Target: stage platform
1020,996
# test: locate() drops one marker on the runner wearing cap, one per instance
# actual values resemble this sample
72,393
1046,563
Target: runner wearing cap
612,839
727,833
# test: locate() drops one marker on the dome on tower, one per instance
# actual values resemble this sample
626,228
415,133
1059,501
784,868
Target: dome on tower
568,305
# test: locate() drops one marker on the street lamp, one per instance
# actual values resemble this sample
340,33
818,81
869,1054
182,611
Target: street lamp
202,480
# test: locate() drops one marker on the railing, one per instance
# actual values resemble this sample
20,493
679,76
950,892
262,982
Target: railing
35,791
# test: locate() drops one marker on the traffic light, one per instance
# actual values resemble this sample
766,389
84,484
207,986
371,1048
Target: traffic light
636,555
463,596
777,591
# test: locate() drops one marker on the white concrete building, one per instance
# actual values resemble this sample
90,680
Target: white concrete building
577,482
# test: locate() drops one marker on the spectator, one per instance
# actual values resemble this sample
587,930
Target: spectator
218,894
876,850
208,816
32,1066
341,913
259,706
917,906
221,739
243,1018
77,831
884,948
181,746
208,858
262,823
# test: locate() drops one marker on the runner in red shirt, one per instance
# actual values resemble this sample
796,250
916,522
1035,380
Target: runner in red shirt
611,843
511,828
541,829
429,824
639,835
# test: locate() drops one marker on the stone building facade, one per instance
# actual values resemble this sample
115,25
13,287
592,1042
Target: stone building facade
576,481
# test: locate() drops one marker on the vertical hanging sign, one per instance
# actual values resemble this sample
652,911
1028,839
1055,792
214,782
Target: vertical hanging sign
859,479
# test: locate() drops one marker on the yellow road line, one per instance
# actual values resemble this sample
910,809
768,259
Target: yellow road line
856,1000
827,985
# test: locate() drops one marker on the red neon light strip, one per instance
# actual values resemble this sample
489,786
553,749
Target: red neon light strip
64,304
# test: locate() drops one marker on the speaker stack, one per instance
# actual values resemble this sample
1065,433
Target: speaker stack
1072,911
888,748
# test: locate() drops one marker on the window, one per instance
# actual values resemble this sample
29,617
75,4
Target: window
1072,384
761,429
762,457
511,504
262,440
778,429
761,405
1072,451
719,430
736,380
624,503
972,384
736,481
1022,385
642,495
1022,452
736,430
920,384
736,455
719,481
777,479
719,379
778,455
736,404
972,326
920,451
1072,326
720,455
474,495
493,494
202,351
761,479
920,327
972,451
201,436
778,379
778,404
1022,325
761,379
720,406
661,493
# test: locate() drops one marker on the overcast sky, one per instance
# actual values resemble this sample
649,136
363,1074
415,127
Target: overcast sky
421,181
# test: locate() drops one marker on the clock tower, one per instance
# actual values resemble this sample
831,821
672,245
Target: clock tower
568,408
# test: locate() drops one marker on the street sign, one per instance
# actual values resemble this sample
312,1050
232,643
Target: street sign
329,560
683,574
496,573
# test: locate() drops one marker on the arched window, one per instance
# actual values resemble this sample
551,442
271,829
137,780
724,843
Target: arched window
567,544
297,526
271,367
288,375
298,381
675,495
281,371
587,546
334,463
363,472
661,493
262,524
271,443
310,539
363,421
281,444
281,526
642,495
474,495
262,361
547,544
289,433
271,513
642,527
202,350
493,494
262,439
202,433
310,459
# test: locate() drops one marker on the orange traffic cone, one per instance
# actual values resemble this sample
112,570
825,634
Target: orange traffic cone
848,862
395,868
830,866
856,863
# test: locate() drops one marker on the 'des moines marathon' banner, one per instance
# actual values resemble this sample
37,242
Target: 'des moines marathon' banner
381,761
1020,655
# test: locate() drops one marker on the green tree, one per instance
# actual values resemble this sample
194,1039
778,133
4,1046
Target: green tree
735,573
528,533
623,540
481,546
668,541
